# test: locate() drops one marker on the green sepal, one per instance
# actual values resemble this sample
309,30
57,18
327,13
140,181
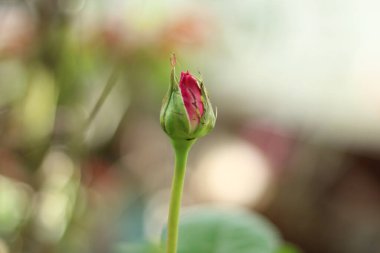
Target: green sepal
207,121
173,117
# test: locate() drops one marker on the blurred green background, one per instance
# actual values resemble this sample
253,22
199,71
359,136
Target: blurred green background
85,167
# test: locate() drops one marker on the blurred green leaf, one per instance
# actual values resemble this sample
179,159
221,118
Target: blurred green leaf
14,205
139,248
38,108
288,248
208,230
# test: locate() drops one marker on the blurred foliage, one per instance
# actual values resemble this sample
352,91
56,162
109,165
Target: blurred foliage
288,249
65,89
139,248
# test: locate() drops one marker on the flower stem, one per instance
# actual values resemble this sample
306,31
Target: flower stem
106,91
181,148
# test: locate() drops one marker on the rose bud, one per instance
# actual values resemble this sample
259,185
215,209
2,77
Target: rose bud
186,112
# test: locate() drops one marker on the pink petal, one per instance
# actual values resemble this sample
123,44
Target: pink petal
192,97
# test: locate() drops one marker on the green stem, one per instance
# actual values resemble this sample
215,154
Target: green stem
75,143
112,80
181,148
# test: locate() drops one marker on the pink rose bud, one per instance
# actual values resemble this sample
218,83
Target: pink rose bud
186,111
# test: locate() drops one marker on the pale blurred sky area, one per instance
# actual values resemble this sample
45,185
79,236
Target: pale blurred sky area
311,65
